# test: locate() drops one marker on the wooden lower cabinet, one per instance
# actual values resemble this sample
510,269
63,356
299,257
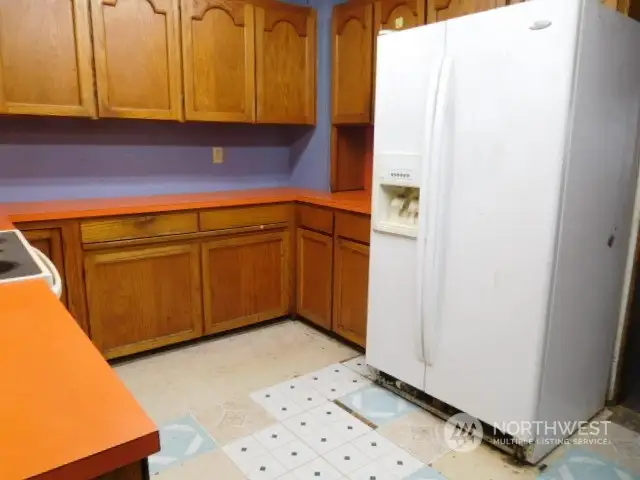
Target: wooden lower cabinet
143,297
314,270
49,242
246,280
350,290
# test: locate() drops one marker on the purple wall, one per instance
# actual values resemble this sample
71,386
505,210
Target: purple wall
311,154
48,158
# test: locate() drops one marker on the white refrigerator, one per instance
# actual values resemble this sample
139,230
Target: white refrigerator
505,167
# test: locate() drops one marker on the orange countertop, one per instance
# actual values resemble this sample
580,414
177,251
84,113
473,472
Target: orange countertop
64,413
357,202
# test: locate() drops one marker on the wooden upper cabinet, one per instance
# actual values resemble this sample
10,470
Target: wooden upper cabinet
399,14
285,63
137,56
439,10
45,58
352,62
218,60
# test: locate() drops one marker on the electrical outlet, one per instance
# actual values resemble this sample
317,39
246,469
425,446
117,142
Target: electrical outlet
218,155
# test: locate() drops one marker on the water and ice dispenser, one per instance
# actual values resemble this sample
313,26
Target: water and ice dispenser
397,199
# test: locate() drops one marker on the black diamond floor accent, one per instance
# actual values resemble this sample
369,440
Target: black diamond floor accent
243,449
263,468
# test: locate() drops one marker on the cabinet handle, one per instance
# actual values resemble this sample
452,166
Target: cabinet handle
145,220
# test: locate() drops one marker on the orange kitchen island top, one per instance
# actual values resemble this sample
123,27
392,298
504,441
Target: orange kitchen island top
356,202
64,413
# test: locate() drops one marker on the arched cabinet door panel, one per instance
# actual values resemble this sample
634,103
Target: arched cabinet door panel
218,49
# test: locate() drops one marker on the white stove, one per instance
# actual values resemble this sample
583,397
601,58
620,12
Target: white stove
20,261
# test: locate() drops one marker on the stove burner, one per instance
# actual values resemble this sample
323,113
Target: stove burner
7,266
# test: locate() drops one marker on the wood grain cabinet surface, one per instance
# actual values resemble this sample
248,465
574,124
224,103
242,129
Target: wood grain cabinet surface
440,10
285,63
314,276
218,50
49,242
399,14
137,58
144,297
45,58
352,62
246,280
350,290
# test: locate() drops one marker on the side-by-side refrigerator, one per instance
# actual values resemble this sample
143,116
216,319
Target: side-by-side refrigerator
505,166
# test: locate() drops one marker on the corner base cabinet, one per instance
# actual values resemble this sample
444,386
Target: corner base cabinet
314,269
350,290
143,297
246,280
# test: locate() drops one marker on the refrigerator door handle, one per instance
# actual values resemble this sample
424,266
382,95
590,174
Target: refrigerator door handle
423,208
438,187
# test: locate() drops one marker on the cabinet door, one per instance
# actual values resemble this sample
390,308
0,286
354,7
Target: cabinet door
350,290
315,252
246,280
144,297
285,63
137,52
49,242
440,10
352,62
399,14
45,58
218,60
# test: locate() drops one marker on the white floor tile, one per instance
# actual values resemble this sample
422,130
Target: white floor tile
294,454
243,451
265,467
324,439
350,428
400,463
330,413
282,408
288,386
302,424
265,395
307,398
359,365
372,471
374,445
340,388
317,469
347,458
274,436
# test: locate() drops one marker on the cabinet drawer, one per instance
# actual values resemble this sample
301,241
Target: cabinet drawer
315,218
223,218
138,226
355,227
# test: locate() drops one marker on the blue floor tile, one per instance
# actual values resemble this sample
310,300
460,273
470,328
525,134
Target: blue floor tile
426,473
377,404
579,464
180,440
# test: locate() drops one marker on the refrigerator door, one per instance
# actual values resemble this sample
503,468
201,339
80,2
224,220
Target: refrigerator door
408,70
495,188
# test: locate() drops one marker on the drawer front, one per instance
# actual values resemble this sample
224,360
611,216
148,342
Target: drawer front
315,218
354,227
138,226
224,218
